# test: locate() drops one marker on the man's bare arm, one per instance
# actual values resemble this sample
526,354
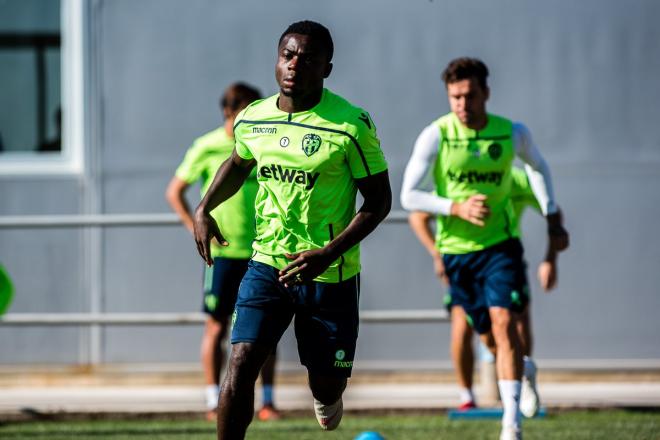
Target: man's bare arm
175,195
230,177
377,196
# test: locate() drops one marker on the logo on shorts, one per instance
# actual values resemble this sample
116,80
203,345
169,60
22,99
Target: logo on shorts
211,302
515,298
340,362
233,318
284,142
495,151
311,143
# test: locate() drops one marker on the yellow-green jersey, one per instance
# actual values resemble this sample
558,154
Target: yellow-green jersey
307,164
475,162
522,196
235,217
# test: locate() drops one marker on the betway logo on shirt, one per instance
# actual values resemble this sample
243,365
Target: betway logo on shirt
494,177
289,175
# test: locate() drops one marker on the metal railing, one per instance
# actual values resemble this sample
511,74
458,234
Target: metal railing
123,220
140,319
109,220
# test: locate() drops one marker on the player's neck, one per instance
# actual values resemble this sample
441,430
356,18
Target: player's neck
229,127
479,123
295,104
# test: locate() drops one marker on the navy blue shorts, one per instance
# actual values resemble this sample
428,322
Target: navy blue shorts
221,282
326,317
492,277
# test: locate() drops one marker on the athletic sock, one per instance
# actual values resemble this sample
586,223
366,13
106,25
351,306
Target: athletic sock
465,395
510,395
267,395
212,393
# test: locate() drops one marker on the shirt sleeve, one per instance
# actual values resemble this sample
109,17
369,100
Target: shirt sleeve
418,188
536,167
192,167
365,157
241,148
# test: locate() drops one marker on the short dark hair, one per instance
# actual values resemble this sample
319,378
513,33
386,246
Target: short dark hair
466,68
237,96
314,30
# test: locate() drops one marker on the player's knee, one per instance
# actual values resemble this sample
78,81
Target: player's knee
503,324
244,365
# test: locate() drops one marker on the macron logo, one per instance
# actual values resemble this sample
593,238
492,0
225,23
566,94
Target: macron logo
289,175
264,130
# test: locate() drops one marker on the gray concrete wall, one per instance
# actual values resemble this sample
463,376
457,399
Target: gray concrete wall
581,75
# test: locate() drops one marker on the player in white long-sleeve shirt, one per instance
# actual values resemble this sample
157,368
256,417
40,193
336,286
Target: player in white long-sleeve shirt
460,171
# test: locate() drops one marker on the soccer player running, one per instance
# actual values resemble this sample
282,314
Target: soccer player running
236,218
461,351
468,155
313,151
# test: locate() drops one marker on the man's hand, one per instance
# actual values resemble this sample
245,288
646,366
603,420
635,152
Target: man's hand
305,266
205,228
473,210
547,274
439,268
557,235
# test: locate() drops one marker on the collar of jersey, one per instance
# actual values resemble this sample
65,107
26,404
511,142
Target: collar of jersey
310,110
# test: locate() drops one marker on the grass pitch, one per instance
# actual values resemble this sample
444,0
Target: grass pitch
609,424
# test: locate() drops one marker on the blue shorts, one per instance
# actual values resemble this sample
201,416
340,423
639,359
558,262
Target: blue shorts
326,317
492,277
221,282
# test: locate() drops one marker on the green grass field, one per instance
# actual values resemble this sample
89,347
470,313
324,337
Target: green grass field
566,425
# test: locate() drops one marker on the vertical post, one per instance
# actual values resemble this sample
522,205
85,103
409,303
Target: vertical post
80,136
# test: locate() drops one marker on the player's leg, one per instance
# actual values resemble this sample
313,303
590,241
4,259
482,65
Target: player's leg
524,329
505,290
211,357
211,353
326,329
529,396
263,312
268,411
469,312
462,356
236,405
221,282
490,393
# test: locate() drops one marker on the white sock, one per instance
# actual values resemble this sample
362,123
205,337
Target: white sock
465,395
510,395
212,393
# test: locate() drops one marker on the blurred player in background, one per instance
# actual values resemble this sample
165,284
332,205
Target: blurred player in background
314,151
236,219
467,156
461,351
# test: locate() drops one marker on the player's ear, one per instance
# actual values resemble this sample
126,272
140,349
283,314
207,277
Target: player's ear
487,92
328,69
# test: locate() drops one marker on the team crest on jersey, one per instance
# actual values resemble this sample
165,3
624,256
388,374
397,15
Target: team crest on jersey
311,143
495,151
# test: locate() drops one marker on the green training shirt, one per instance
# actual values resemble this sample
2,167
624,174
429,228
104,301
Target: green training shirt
235,217
522,196
475,162
307,163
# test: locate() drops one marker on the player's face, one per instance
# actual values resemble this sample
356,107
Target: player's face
302,65
467,99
